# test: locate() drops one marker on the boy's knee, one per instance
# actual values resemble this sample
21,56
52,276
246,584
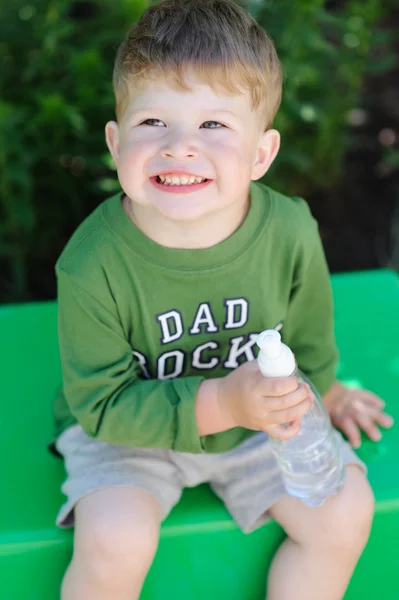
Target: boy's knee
340,525
360,509
113,546
349,515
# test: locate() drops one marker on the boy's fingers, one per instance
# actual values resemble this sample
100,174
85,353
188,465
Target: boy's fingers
278,386
373,412
384,419
277,403
372,399
350,429
285,432
366,423
289,415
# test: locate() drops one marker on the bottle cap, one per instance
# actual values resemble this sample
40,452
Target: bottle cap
275,358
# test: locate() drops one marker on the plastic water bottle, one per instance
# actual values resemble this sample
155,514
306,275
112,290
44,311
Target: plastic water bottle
311,463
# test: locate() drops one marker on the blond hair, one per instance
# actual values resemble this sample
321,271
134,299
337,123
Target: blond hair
218,39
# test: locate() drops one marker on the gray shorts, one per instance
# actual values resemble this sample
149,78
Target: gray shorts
246,478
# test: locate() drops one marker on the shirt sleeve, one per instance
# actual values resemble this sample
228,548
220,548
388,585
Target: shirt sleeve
103,383
309,327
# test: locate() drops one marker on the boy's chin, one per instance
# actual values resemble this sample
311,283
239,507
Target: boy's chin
184,216
183,209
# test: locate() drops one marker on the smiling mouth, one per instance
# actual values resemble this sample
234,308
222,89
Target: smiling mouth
174,180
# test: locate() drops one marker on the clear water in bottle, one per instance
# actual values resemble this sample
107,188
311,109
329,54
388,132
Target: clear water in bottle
311,464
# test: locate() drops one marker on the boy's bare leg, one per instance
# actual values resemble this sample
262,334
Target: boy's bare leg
116,537
317,559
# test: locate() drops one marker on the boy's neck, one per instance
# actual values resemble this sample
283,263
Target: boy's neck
205,233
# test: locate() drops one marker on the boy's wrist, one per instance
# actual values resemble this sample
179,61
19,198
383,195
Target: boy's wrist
211,418
332,395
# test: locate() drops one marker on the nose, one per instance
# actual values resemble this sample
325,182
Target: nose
180,146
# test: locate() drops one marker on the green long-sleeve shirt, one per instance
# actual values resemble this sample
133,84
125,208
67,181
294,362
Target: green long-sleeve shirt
140,325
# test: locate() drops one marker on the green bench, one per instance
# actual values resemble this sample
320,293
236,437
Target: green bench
202,555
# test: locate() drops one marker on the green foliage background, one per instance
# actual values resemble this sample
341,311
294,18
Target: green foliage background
56,59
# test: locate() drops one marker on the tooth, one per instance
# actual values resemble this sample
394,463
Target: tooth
191,179
198,179
168,179
175,180
161,177
184,180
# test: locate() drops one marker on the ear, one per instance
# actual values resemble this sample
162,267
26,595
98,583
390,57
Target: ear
112,139
268,147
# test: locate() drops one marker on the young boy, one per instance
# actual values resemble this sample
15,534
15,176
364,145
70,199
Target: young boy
162,292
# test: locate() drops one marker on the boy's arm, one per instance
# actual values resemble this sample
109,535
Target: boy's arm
309,325
209,416
103,388
309,331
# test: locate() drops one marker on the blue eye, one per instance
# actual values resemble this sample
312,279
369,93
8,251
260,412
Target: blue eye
212,125
153,123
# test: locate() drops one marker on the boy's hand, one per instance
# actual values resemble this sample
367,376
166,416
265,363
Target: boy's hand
351,410
247,399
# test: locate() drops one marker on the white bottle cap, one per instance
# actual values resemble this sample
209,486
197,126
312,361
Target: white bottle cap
275,358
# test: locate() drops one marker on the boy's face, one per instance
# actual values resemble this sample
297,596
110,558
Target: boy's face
186,154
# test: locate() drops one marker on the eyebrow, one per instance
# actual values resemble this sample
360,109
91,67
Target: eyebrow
145,110
223,111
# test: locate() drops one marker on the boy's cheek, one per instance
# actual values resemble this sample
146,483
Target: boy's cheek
232,162
130,179
131,162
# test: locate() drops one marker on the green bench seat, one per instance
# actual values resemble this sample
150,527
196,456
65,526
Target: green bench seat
202,554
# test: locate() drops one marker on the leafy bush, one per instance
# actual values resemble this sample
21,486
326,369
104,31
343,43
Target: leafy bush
325,55
56,60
